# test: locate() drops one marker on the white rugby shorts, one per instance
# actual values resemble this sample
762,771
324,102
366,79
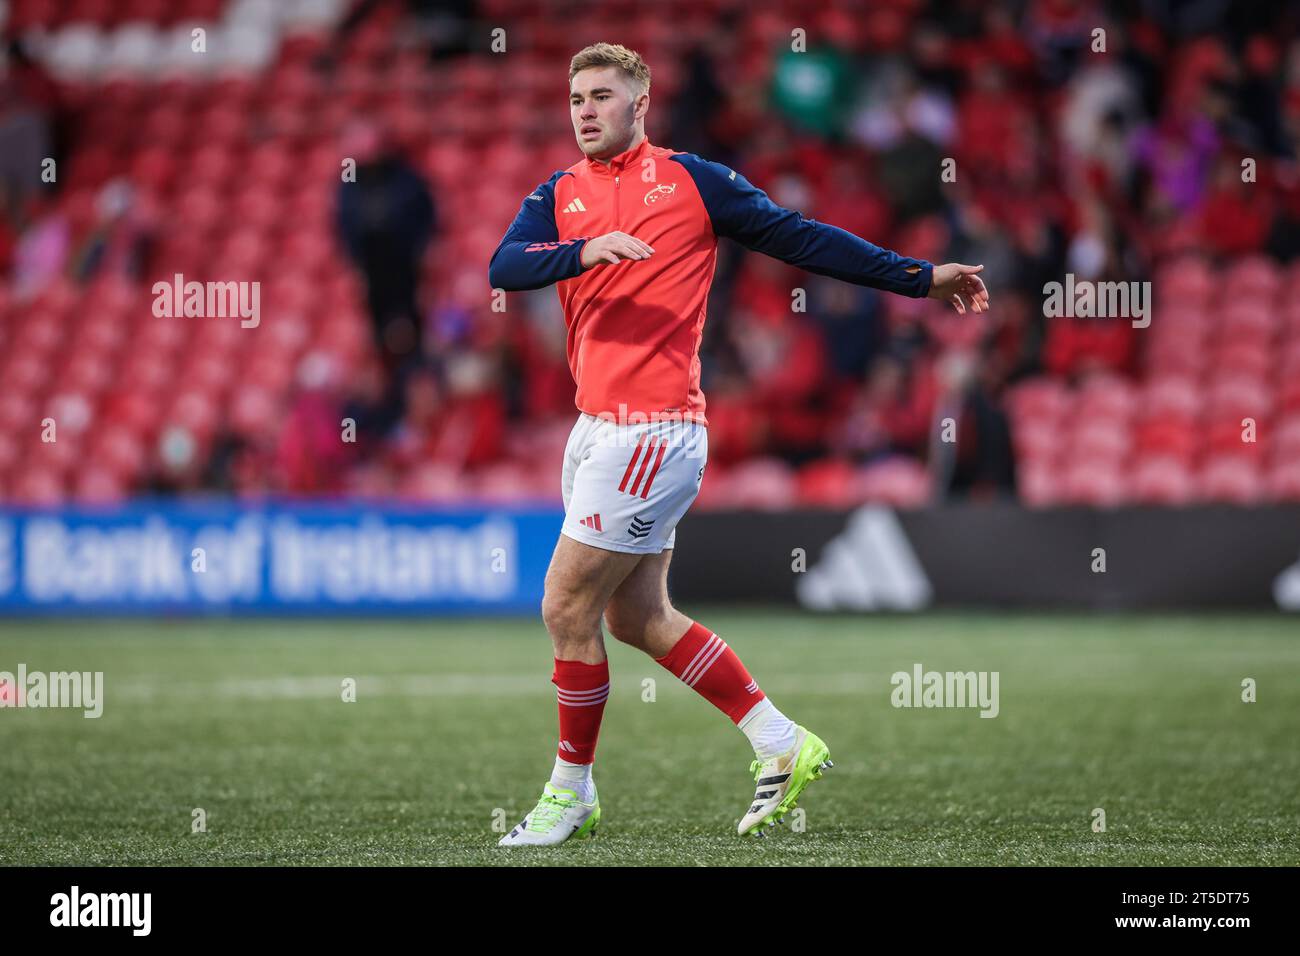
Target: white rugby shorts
626,486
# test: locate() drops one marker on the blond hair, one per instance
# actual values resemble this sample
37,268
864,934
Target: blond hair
614,54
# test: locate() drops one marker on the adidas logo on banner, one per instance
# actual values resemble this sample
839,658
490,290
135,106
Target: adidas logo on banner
575,206
869,566
639,527
592,521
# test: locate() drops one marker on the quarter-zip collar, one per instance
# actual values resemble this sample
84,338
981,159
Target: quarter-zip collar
623,160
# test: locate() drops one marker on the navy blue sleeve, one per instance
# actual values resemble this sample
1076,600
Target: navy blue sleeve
531,254
742,211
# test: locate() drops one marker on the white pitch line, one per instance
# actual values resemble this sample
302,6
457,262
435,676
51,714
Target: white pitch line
453,685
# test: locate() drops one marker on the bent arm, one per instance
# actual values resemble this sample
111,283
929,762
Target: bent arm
531,255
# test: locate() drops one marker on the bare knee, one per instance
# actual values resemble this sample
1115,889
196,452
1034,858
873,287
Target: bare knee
638,623
562,612
572,624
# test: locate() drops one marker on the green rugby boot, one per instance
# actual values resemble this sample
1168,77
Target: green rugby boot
558,816
782,779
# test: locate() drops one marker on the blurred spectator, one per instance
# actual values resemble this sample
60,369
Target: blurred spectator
909,174
42,250
815,89
1077,346
975,458
460,424
27,100
8,239
852,324
310,458
1176,155
123,235
1101,109
890,414
386,220
693,113
444,27
538,381
1237,216
783,357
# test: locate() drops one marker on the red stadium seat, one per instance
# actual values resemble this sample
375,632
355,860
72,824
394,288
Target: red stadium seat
24,370
1098,440
253,411
1187,280
1036,440
99,486
1042,395
1239,395
38,486
1247,319
1167,436
1099,484
1243,357
430,482
504,483
1106,395
1283,481
1176,357
196,411
1040,485
1289,362
1251,277
88,371
1235,480
1161,480
1226,435
1169,396
827,484
898,482
763,483
135,408
120,450
146,371
1285,440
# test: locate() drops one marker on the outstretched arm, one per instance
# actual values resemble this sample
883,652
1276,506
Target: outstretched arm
744,212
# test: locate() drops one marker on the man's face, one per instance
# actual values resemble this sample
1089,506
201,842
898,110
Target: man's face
603,111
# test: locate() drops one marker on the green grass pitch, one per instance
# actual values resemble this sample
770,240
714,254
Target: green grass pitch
453,729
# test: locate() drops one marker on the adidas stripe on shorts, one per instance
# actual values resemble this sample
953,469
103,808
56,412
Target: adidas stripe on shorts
627,486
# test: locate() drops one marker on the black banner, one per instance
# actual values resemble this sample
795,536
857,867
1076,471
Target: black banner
875,558
298,907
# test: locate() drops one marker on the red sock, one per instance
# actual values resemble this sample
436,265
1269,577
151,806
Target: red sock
581,690
704,662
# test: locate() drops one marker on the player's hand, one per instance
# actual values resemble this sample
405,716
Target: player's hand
612,247
960,285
